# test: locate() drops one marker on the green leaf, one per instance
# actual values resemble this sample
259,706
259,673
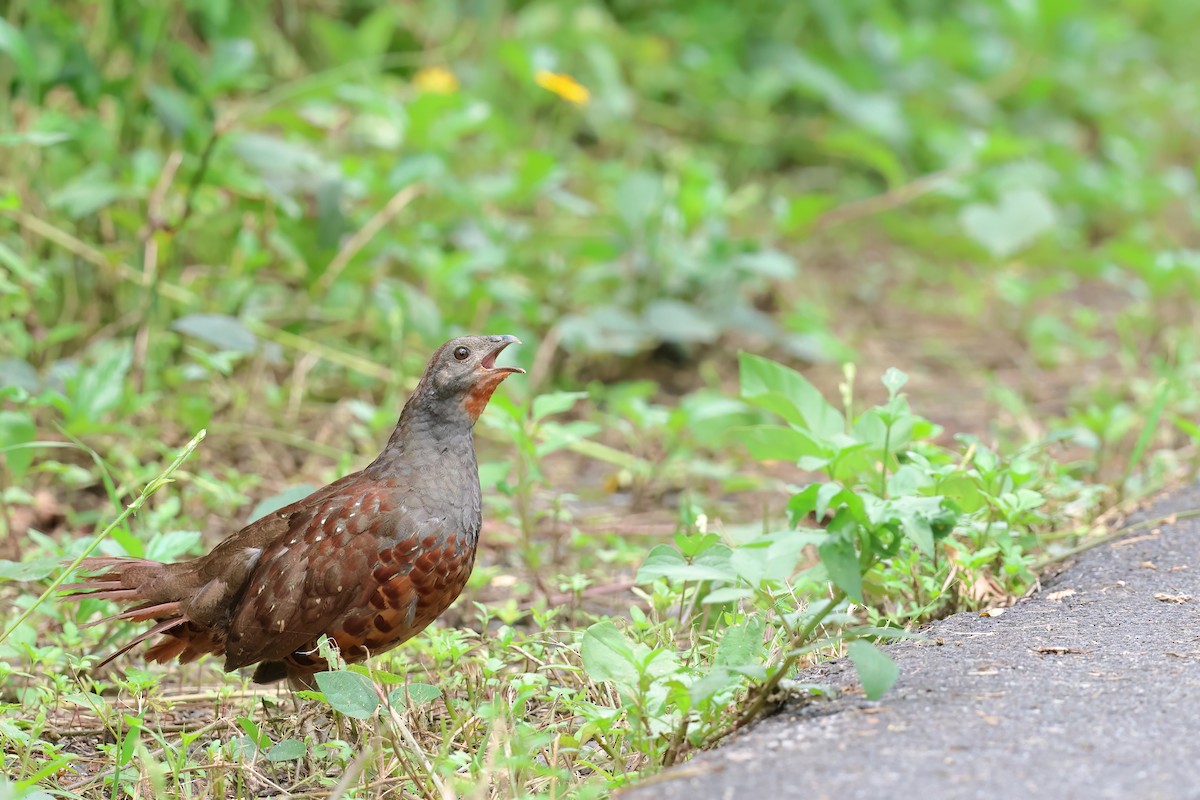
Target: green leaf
787,393
638,198
98,389
17,428
608,655
742,645
727,594
920,531
131,544
173,109
220,330
547,405
1004,229
779,443
350,693
893,381
841,562
804,210
693,544
170,545
32,570
14,44
676,321
414,694
287,750
130,740
279,500
964,490
87,193
19,266
18,372
665,561
253,732
876,671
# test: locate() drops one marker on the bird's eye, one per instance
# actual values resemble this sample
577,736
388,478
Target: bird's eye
461,352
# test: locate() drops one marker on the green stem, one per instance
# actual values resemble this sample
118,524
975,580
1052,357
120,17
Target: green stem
1041,564
162,480
883,466
767,689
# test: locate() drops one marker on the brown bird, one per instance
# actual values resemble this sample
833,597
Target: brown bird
370,560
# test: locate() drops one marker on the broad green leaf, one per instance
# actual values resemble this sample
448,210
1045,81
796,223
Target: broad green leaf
919,530
17,428
348,692
548,405
253,732
876,671
676,321
693,544
776,557
665,561
32,570
908,479
727,594
415,694
769,263
707,686
19,266
132,545
859,146
778,443
18,372
98,389
87,193
220,330
173,109
14,44
964,490
804,210
742,644
1012,224
608,655
893,381
287,750
841,562
279,500
787,393
170,545
638,198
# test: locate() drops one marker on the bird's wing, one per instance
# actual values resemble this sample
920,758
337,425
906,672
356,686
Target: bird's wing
340,558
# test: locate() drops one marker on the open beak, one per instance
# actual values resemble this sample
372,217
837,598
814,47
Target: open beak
488,362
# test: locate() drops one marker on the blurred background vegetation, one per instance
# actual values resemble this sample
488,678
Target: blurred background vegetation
260,218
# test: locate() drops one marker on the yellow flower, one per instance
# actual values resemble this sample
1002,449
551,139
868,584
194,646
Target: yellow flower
562,85
437,80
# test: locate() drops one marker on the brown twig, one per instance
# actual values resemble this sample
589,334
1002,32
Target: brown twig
591,591
891,199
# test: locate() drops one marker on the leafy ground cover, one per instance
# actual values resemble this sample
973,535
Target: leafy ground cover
839,317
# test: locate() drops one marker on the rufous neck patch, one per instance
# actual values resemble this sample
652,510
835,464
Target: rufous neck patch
477,400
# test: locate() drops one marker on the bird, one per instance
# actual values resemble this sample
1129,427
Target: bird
368,561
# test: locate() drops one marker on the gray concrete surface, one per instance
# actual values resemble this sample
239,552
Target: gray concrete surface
1088,689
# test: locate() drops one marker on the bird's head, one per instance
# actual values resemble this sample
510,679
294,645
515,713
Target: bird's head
463,373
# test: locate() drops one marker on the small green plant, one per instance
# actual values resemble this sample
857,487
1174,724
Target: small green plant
899,529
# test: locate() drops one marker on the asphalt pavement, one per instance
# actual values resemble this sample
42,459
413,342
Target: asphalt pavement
1089,688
